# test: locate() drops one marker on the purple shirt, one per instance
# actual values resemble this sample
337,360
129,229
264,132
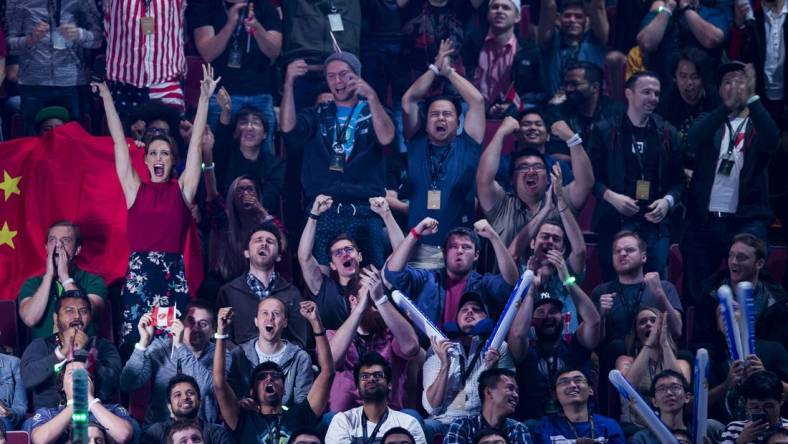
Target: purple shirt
344,393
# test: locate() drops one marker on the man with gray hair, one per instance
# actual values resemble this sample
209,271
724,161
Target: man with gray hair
342,153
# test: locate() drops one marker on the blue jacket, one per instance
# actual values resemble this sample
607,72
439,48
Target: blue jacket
427,288
12,391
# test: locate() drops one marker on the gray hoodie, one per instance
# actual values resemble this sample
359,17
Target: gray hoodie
295,363
159,363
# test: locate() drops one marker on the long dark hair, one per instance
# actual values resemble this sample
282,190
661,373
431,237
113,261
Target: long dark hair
230,261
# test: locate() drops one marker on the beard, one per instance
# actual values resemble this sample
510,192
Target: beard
377,394
575,98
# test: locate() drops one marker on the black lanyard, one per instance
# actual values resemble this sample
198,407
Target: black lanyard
274,432
732,135
55,9
435,170
341,137
375,431
625,302
574,430
465,371
640,154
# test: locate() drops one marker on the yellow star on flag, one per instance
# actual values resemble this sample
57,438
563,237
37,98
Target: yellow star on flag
7,236
9,185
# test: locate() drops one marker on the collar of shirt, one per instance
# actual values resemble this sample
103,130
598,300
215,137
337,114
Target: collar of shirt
491,42
774,15
257,287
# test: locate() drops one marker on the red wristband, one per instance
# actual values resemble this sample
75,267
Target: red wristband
415,233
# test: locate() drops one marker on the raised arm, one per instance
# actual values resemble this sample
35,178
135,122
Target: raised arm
400,256
597,17
547,14
129,180
287,112
435,390
209,44
708,35
673,316
380,206
401,329
228,403
518,334
410,100
487,189
577,258
343,337
119,429
577,191
318,393
474,118
651,35
268,41
190,179
504,260
522,239
312,271
589,330
52,430
381,122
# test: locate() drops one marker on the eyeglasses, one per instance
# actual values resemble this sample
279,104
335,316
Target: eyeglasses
273,374
577,380
340,251
373,375
344,75
537,167
673,388
152,130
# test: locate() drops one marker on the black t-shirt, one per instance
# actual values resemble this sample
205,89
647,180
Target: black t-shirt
641,161
381,19
254,427
332,303
682,115
256,75
536,373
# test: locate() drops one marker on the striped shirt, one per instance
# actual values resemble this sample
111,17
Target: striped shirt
136,58
735,428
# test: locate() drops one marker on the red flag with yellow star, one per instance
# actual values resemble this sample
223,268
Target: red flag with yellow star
68,174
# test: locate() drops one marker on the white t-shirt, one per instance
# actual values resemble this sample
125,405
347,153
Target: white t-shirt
345,427
725,189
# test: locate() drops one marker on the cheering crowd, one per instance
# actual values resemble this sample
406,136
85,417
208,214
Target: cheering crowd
422,221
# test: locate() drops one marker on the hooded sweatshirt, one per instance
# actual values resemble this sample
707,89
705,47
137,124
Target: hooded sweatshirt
294,361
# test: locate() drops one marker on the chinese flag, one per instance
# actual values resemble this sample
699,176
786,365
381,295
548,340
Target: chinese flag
68,174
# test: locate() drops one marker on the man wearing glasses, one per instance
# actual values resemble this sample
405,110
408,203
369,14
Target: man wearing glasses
188,351
670,392
575,423
374,418
516,214
269,421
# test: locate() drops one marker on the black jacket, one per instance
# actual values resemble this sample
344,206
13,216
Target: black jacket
760,141
239,296
754,48
607,157
525,67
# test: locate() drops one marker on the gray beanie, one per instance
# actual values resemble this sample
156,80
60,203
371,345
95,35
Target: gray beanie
346,57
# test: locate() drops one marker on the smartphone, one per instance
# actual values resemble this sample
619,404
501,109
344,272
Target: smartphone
759,417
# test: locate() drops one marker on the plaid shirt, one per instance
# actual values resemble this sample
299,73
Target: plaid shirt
463,430
258,287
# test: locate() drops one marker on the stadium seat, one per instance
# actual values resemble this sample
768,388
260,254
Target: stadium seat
8,325
776,263
525,21
191,90
676,268
138,402
584,218
489,131
593,270
105,328
17,437
17,126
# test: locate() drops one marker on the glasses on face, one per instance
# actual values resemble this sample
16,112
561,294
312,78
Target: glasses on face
155,131
202,324
577,380
273,374
345,250
526,167
371,375
344,75
572,84
672,388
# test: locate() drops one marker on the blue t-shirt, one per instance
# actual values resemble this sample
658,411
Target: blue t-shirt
555,429
456,180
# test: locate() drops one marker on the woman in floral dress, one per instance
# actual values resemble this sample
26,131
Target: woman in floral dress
158,215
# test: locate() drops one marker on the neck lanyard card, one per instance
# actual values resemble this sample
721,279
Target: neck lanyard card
642,186
340,148
335,19
147,22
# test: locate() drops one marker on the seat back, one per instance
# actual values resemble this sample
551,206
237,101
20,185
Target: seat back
8,325
17,437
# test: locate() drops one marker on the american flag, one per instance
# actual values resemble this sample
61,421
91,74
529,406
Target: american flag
156,61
